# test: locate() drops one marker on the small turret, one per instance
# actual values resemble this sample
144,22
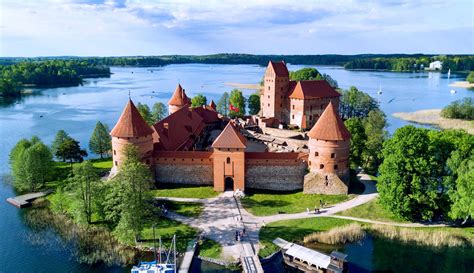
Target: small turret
212,105
178,100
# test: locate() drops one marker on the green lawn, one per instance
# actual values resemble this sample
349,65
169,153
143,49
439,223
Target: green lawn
166,228
210,248
262,203
102,164
374,211
184,191
184,208
294,230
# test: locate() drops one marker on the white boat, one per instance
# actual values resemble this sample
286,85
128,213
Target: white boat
452,91
380,90
153,267
158,265
449,73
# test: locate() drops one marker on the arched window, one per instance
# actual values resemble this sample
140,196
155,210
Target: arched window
333,155
321,166
228,160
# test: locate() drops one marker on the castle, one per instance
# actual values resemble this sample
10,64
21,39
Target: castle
198,146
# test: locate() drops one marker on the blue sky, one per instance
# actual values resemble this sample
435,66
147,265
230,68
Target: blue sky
111,28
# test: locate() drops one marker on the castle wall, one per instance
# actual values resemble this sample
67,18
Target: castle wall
273,96
329,156
326,183
191,168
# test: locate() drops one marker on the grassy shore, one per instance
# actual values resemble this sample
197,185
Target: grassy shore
433,117
210,248
263,203
374,211
184,191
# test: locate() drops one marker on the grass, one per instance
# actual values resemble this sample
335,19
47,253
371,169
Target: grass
188,209
338,235
433,117
294,230
374,211
184,191
210,248
262,203
102,164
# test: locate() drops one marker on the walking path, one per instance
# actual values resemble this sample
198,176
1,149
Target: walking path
389,223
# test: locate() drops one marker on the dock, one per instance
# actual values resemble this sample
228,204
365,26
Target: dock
25,200
185,265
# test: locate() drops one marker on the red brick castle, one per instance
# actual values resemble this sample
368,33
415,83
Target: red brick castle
200,147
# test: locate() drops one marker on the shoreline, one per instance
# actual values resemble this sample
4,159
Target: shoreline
462,84
433,117
253,86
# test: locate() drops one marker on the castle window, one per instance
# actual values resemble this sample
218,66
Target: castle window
116,163
321,166
182,159
310,117
281,89
202,160
174,159
335,167
228,160
333,155
268,87
310,163
316,154
268,96
281,105
148,161
293,116
269,105
115,152
311,108
293,107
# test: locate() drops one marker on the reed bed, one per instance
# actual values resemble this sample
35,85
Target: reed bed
436,238
336,236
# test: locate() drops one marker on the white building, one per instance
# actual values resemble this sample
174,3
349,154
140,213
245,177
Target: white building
436,65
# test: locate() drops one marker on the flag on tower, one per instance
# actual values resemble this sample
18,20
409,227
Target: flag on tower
233,108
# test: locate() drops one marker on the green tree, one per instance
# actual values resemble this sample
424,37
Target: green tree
358,141
30,162
8,88
254,104
460,109
406,184
462,195
198,100
158,111
84,184
59,139
100,142
145,112
237,100
305,74
135,181
470,77
71,150
223,104
355,103
374,126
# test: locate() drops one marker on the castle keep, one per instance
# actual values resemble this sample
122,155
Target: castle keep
198,146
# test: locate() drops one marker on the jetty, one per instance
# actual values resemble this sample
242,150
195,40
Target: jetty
185,266
25,200
311,261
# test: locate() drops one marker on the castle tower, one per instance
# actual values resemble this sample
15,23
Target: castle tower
213,105
273,98
229,160
178,100
131,128
329,143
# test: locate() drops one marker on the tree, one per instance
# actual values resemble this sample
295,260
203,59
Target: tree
134,180
61,136
71,150
374,126
237,101
470,77
305,74
198,100
100,142
30,162
84,184
406,184
223,104
158,111
8,88
358,141
254,104
462,196
145,112
459,109
355,103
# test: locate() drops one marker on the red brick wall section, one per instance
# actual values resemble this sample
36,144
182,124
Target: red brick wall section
328,156
229,163
144,145
273,98
312,108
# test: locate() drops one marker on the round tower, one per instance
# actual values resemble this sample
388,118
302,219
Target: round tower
131,128
178,100
329,144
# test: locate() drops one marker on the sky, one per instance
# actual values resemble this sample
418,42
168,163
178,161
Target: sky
128,27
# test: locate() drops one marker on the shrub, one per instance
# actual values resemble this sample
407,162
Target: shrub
460,109
470,77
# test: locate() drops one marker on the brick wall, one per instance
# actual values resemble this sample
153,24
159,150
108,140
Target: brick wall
191,174
273,176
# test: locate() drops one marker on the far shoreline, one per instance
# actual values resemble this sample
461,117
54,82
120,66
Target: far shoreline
462,84
433,117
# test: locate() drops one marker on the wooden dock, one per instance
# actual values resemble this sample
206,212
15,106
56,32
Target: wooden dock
185,266
24,200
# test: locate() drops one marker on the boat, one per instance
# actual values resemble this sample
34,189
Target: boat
449,73
452,91
380,90
158,265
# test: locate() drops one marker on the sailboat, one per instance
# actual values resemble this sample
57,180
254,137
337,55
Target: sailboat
449,73
380,90
159,266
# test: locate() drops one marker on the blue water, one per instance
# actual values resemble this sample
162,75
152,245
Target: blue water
77,109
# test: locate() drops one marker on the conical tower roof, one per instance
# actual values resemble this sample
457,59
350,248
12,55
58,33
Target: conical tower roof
212,105
131,123
330,126
179,97
230,137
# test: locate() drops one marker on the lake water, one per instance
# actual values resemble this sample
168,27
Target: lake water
77,109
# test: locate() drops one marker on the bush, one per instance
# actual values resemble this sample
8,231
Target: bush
470,77
460,109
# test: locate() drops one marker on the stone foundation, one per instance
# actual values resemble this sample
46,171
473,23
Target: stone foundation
275,177
189,174
334,184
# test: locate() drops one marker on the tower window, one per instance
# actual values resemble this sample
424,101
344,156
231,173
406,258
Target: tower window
268,87
115,152
310,117
268,96
310,163
321,166
316,154
281,105
335,167
293,116
269,105
116,164
333,155
228,160
293,107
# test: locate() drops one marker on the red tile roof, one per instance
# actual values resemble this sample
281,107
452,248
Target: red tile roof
207,113
131,123
279,68
179,97
212,105
329,126
178,130
230,137
313,90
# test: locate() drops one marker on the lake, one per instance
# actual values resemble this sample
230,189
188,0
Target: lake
77,109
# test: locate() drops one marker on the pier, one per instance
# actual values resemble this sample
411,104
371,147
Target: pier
25,200
188,257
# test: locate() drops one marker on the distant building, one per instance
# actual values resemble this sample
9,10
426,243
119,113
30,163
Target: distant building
436,65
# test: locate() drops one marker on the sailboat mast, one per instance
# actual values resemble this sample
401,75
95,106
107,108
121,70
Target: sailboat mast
154,243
